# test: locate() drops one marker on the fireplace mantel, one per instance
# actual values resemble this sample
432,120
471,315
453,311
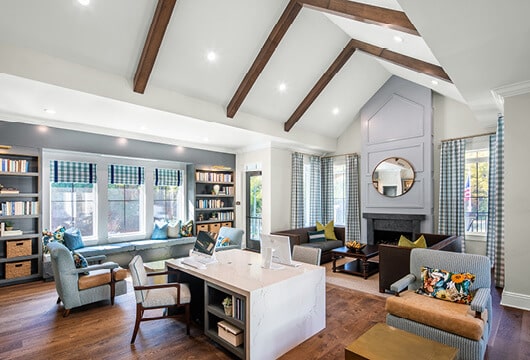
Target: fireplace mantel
406,223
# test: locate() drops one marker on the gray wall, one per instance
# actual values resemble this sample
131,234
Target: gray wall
397,122
21,134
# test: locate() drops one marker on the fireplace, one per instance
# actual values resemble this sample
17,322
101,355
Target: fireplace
387,228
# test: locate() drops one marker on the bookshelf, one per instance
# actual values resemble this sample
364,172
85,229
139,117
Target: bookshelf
20,222
211,191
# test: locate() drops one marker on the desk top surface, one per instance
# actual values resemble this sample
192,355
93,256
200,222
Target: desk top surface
242,271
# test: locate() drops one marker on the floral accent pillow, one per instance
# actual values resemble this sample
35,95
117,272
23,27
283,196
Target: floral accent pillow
80,261
445,285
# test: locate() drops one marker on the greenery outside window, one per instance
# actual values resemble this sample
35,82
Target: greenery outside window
125,209
74,205
166,203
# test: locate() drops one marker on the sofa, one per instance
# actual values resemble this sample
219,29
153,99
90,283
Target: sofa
394,261
299,237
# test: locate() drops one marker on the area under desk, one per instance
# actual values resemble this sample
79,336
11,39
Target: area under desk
282,307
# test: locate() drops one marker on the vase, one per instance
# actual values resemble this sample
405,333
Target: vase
228,310
216,189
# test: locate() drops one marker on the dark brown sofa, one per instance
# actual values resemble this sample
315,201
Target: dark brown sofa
394,261
299,237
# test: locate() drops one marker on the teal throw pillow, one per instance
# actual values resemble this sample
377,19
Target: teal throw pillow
73,239
79,261
316,236
159,231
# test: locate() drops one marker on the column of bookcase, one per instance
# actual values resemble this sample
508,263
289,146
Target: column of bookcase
20,254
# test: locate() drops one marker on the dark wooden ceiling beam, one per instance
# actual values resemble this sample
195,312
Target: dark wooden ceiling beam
276,35
152,44
393,19
334,68
403,60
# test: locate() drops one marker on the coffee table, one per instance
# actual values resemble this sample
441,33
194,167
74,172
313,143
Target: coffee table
360,266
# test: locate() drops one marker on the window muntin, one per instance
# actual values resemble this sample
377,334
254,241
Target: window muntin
166,203
339,192
74,205
476,188
125,209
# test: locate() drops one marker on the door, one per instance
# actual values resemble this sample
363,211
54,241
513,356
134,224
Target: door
253,180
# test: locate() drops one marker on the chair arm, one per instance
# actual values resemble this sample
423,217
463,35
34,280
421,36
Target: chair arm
95,259
402,284
108,265
156,286
480,301
154,273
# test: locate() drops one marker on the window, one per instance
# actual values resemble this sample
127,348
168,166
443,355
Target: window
476,185
339,191
73,196
125,200
167,198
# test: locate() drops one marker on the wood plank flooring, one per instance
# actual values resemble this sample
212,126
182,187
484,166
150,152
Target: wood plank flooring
32,327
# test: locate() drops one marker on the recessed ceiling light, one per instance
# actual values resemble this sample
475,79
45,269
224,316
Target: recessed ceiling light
122,141
434,82
205,139
49,111
335,111
282,87
42,128
211,56
398,39
84,2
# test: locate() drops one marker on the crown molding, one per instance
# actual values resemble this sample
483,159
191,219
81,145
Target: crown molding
515,89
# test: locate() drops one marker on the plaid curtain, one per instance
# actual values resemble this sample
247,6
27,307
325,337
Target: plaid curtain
315,197
451,204
126,175
495,236
168,177
353,213
297,191
328,200
72,172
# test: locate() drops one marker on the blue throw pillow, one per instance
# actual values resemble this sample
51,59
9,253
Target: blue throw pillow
159,231
316,236
73,239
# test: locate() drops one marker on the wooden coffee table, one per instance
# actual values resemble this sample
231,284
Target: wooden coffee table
360,266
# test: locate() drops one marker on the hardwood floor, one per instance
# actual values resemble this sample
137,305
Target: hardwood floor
32,327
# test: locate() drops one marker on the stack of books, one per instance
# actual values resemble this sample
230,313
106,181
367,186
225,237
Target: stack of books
9,190
4,232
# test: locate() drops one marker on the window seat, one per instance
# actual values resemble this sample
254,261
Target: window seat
149,249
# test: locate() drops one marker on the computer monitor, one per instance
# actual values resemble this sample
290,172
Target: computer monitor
204,244
281,245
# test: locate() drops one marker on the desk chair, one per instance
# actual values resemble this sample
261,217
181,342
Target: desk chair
306,254
157,296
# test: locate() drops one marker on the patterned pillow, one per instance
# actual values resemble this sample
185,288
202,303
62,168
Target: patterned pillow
316,236
187,229
222,241
445,285
329,229
79,261
57,235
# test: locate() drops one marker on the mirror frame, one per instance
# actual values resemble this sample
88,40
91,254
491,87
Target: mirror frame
406,183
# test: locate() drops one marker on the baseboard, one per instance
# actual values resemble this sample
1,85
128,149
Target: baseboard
515,300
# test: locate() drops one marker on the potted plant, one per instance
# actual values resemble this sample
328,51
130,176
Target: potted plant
227,304
9,225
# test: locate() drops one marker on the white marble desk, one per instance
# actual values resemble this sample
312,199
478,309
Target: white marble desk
284,307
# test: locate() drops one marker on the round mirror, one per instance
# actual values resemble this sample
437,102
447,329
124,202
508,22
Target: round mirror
393,177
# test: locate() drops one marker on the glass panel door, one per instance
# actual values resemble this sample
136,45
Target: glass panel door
253,209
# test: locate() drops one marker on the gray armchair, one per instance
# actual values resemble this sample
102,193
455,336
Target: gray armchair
234,234
466,327
75,288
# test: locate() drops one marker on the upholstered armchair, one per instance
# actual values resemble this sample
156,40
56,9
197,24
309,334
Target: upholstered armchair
460,325
234,234
309,255
81,286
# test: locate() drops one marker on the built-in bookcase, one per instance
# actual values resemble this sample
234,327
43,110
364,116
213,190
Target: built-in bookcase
20,219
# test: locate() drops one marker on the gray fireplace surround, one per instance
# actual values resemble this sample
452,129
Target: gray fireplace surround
386,227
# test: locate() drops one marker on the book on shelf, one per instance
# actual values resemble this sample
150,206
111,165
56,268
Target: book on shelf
9,191
11,233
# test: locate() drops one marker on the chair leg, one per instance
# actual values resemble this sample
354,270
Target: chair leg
139,315
59,300
66,312
112,287
187,319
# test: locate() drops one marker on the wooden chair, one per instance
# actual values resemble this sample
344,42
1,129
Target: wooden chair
306,254
157,296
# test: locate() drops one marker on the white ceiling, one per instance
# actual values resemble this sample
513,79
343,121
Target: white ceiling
80,61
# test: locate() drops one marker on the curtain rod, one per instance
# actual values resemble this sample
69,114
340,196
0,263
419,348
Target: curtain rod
470,136
331,156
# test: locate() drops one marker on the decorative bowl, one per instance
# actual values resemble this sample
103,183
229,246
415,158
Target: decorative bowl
355,245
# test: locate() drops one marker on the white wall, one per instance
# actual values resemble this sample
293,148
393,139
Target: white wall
350,140
281,189
517,202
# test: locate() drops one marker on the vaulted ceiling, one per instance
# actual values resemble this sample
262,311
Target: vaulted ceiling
139,69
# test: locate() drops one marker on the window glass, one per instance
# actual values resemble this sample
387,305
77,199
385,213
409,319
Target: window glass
74,205
166,203
339,193
125,209
476,187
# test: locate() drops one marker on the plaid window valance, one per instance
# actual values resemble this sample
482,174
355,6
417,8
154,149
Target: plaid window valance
126,175
168,177
72,172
